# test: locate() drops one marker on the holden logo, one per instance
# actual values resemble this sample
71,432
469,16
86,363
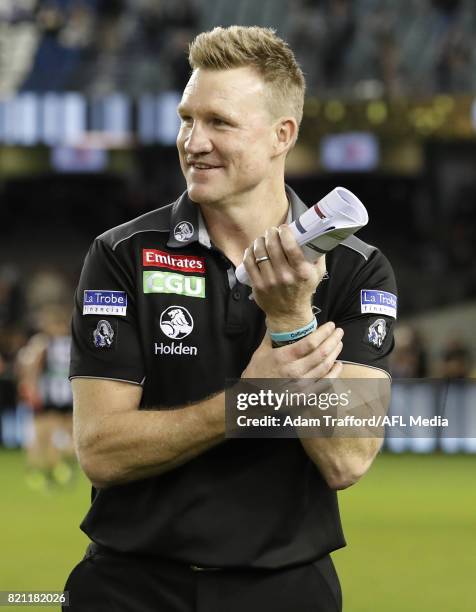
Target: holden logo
183,231
176,322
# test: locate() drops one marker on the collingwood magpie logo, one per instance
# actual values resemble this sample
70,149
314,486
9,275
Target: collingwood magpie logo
175,322
377,333
103,334
183,231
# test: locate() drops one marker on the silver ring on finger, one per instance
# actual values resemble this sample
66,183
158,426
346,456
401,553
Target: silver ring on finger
259,260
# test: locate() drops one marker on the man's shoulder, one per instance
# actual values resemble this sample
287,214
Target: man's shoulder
353,255
157,220
362,250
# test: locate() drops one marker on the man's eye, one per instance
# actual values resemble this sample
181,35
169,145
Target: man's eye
185,119
217,121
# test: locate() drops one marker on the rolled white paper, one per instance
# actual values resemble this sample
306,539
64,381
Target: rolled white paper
323,226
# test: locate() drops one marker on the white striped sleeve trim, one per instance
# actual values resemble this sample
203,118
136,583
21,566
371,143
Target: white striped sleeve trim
118,242
132,382
365,365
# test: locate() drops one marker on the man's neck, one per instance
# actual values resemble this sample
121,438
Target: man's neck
233,226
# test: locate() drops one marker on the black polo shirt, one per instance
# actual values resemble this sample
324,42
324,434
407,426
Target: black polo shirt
159,306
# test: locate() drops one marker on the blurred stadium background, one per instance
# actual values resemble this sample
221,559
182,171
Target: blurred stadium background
88,90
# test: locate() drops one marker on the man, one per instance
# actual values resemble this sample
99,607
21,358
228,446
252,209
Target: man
182,519
43,385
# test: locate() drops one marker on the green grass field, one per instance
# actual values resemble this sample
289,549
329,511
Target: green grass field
410,527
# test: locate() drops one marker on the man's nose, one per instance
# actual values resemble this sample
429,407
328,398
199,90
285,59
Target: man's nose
197,140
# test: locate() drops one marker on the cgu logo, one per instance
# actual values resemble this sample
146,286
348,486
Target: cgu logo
168,282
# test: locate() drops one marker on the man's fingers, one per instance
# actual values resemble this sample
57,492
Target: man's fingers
335,371
323,369
291,249
265,267
278,258
295,256
320,354
259,247
251,267
314,355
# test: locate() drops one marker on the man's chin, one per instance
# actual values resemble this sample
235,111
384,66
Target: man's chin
201,194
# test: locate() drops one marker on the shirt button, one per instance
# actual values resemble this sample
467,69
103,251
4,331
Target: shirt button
236,295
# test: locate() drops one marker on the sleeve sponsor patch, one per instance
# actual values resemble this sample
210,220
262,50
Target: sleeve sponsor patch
375,301
99,302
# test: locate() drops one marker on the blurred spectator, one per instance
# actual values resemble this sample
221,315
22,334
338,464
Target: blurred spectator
409,359
50,18
45,287
448,9
18,42
306,31
177,59
387,50
150,27
66,30
11,296
453,52
78,29
460,239
109,16
340,30
456,359
12,339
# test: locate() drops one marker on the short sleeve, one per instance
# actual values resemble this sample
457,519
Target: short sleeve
105,331
367,312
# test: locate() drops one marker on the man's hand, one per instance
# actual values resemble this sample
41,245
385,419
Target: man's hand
283,285
311,357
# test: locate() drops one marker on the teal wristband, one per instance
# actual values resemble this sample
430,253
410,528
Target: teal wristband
296,334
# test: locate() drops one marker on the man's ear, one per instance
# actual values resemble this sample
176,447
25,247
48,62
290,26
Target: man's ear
285,133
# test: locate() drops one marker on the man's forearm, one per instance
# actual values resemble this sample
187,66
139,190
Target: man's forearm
144,443
342,461
346,454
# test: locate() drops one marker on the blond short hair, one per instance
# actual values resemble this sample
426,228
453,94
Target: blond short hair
259,48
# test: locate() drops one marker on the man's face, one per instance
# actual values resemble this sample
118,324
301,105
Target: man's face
226,134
